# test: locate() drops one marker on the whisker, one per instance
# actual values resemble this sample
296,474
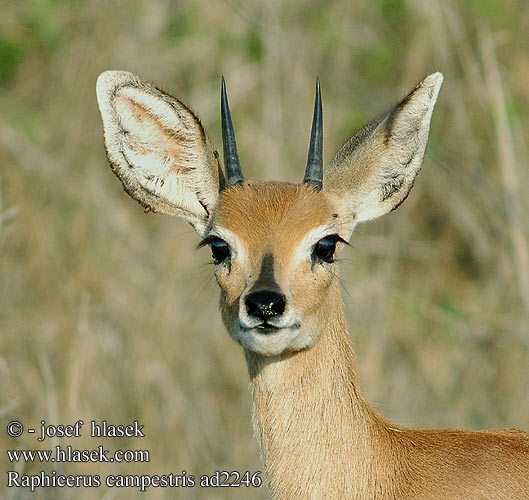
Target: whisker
208,281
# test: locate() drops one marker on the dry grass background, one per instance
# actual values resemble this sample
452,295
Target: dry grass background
107,313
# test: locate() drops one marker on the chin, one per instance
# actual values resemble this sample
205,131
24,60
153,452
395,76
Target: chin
271,341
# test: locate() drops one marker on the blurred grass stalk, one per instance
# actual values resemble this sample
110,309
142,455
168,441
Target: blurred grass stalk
508,163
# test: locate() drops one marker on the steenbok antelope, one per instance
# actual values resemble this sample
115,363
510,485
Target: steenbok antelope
274,245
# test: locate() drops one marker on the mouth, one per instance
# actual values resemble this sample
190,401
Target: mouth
268,339
266,328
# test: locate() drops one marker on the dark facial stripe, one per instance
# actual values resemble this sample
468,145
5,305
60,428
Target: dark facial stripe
266,280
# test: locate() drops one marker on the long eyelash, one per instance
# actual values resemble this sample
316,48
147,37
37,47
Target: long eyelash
206,241
336,237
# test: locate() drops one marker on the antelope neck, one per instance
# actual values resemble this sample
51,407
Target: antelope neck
310,417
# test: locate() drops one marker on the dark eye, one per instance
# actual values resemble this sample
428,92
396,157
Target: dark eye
325,248
220,250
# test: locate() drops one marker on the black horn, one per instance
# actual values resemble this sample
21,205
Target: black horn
314,171
231,157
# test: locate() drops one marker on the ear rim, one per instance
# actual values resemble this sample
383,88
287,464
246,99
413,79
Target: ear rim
109,83
347,162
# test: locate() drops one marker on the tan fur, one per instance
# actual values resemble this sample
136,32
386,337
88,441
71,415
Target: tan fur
319,438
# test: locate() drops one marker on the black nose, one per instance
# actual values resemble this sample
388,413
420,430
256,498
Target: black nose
265,304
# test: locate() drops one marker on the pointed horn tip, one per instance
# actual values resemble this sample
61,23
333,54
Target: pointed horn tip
232,165
314,170
318,93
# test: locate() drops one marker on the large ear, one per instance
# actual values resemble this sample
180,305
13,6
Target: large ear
158,149
374,171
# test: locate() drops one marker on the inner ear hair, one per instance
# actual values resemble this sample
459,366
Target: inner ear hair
158,149
374,171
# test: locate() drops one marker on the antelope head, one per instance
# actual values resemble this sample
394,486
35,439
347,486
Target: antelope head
273,244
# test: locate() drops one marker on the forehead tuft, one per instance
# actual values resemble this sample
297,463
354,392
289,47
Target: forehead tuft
256,209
